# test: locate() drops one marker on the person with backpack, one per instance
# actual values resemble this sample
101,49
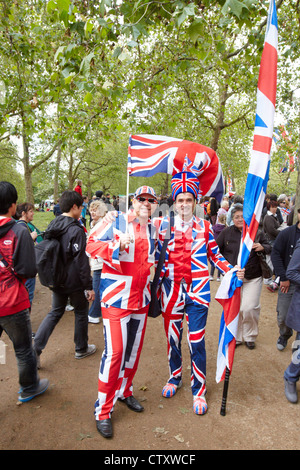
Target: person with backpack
16,255
70,265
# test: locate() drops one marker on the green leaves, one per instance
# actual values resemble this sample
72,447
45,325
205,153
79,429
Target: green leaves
172,66
184,12
85,64
235,7
60,5
196,30
88,98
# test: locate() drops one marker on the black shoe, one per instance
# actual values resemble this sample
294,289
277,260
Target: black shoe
104,426
281,343
132,403
250,344
41,388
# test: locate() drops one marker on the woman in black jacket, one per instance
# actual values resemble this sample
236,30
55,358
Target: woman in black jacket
229,242
271,224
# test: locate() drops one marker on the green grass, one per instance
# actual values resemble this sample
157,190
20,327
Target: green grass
42,219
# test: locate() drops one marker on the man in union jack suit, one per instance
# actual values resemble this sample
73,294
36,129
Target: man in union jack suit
185,285
127,247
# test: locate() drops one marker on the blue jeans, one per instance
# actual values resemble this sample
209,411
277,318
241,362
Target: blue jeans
18,329
30,286
59,302
212,271
292,372
95,310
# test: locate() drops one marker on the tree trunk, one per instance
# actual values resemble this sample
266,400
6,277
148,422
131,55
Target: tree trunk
27,171
56,173
70,173
220,118
166,185
89,184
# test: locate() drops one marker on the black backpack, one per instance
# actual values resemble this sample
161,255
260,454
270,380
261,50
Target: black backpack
50,267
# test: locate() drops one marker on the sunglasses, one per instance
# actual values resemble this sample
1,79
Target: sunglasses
144,199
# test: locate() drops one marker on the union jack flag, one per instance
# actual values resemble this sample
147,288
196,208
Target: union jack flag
258,175
152,154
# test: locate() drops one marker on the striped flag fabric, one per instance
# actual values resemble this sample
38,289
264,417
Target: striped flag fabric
151,154
281,138
258,175
229,185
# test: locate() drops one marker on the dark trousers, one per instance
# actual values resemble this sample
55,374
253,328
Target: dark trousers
18,329
283,303
59,302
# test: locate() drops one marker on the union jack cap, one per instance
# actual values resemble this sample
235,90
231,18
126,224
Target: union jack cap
145,190
185,182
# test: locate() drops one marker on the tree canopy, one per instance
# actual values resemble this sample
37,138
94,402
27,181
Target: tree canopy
78,76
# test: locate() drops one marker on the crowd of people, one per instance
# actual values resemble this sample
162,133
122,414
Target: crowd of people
108,256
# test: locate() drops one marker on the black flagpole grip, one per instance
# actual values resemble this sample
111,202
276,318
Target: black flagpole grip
225,391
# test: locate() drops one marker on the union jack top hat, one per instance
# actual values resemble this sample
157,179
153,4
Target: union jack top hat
185,182
145,190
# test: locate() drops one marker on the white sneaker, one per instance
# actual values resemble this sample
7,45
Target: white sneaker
93,320
210,278
91,349
69,308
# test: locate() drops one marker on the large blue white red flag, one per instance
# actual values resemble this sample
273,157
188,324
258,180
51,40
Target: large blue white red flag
152,154
258,175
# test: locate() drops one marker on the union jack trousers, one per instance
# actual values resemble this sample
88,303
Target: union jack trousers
185,289
124,332
125,295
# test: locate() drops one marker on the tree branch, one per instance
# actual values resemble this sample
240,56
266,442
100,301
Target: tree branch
47,156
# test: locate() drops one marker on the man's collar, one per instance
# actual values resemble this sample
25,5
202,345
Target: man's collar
179,222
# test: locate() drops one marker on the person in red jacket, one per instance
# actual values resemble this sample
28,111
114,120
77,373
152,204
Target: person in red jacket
16,255
78,188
